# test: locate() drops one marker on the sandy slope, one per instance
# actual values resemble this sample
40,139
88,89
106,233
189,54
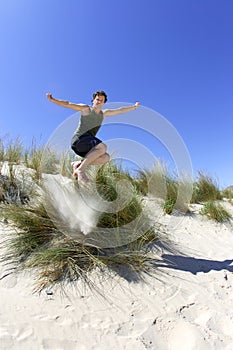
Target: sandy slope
189,306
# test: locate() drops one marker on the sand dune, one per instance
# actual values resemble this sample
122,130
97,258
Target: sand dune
187,305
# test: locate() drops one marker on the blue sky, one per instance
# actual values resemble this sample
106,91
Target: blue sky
174,56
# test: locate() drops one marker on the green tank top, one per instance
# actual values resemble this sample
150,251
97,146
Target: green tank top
89,123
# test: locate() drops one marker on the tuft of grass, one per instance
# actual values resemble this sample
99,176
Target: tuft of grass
39,245
69,261
169,206
65,167
41,160
205,189
152,182
171,196
2,150
227,193
13,189
63,261
11,150
215,212
33,229
157,182
113,184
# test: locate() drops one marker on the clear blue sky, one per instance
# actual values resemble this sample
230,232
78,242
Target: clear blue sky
174,56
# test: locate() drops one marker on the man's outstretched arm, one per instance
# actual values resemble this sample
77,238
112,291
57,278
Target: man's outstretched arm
121,110
67,104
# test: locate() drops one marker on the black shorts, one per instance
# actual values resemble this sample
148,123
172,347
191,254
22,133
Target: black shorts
81,145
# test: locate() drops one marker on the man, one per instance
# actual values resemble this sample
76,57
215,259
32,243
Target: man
84,141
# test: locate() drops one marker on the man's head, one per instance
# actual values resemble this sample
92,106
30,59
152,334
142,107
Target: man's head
101,94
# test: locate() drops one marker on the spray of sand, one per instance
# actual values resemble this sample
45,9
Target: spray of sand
74,211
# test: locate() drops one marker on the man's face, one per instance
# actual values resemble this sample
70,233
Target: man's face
99,100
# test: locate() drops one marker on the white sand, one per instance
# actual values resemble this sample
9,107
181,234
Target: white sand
189,307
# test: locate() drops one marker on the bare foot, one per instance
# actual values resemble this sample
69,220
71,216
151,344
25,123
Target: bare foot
75,165
75,175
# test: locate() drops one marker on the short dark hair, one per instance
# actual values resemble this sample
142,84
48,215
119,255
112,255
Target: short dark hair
101,93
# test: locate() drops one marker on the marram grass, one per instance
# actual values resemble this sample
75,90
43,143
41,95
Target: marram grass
11,150
157,182
32,230
227,193
215,211
37,244
17,186
205,189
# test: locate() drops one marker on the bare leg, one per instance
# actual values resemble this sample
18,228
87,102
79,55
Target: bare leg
101,160
97,155
93,155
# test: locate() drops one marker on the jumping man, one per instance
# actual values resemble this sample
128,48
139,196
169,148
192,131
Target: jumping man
84,141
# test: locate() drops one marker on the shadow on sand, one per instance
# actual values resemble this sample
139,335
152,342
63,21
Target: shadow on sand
194,265
176,262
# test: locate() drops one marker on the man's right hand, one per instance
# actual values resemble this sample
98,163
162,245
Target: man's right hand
49,96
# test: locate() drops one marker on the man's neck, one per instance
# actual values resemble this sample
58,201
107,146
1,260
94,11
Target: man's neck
96,109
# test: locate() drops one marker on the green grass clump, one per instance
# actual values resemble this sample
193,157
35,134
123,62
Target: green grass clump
158,183
168,206
38,244
114,184
171,195
227,193
68,261
205,189
215,212
64,260
152,181
34,229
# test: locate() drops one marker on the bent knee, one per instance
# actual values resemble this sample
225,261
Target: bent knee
102,146
107,157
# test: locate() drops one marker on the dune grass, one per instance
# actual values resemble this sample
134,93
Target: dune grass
205,189
152,182
157,182
171,196
227,193
38,244
15,186
33,229
111,181
2,150
41,159
215,211
11,150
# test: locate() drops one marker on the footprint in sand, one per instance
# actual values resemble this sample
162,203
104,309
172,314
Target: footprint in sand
195,313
